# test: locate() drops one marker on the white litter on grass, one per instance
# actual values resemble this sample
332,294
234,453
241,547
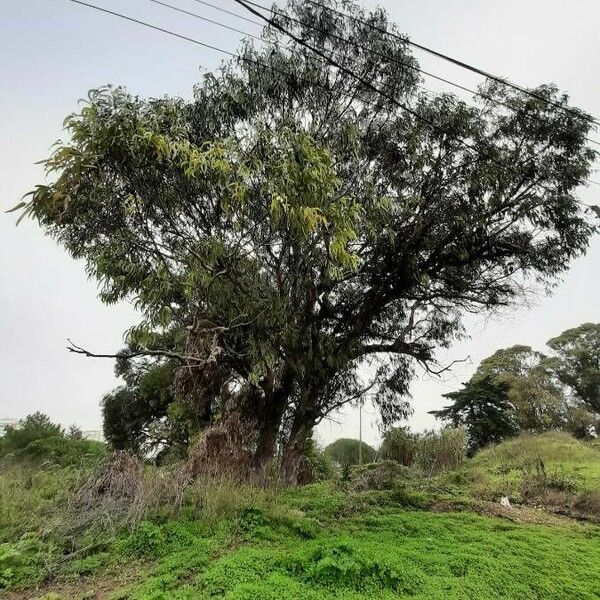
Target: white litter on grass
504,501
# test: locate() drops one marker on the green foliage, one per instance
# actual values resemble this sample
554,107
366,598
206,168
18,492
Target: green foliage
38,439
483,407
551,461
345,452
145,542
536,387
577,362
325,541
287,236
30,429
399,444
22,562
539,403
430,452
320,462
440,450
426,556
143,415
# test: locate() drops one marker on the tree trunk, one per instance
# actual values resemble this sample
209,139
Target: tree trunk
268,415
267,439
294,468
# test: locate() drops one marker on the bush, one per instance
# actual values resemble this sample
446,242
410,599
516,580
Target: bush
320,463
38,439
32,428
382,475
399,445
441,450
431,452
345,452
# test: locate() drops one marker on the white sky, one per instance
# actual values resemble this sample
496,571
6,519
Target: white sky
52,52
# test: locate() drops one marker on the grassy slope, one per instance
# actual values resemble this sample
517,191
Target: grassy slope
500,470
315,542
383,554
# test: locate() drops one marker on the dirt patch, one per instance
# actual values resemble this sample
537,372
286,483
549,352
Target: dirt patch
515,514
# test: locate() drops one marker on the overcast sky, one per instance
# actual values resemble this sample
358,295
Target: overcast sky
53,51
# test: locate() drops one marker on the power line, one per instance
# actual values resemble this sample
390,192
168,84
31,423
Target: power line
205,19
229,12
370,86
275,69
452,60
194,41
393,59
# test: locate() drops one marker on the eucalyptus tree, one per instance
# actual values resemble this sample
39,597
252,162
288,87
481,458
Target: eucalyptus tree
306,236
576,362
537,397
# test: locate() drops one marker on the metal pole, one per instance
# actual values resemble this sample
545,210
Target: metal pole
360,404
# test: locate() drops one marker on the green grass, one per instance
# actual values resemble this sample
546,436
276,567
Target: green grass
568,463
383,553
317,542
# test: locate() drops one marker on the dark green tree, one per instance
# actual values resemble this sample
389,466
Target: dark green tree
143,415
537,397
345,452
296,226
577,362
484,409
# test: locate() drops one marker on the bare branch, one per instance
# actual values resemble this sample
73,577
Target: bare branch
446,368
184,359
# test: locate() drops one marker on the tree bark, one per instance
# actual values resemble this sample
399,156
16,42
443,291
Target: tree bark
294,468
269,413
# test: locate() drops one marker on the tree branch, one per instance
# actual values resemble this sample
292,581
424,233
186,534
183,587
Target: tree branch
184,359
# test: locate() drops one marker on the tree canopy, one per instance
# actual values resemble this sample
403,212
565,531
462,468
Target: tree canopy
483,407
300,236
577,362
538,402
345,452
535,391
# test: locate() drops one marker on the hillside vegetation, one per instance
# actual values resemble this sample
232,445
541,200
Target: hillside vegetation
552,470
124,537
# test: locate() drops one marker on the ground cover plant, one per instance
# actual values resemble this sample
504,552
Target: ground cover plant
415,535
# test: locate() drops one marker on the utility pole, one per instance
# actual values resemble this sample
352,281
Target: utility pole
360,405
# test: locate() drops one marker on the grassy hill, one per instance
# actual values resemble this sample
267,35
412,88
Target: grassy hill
551,469
419,538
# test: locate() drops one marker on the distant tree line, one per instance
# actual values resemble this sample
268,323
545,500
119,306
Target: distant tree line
37,438
520,389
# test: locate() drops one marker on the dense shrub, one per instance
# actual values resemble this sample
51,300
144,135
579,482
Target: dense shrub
320,463
38,439
440,450
30,429
345,452
431,451
399,444
383,475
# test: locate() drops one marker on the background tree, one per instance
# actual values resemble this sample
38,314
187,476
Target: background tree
577,362
538,401
37,439
33,427
484,409
345,452
295,226
143,415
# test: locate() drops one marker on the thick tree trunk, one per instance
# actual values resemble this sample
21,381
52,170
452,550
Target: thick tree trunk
270,422
294,468
268,414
